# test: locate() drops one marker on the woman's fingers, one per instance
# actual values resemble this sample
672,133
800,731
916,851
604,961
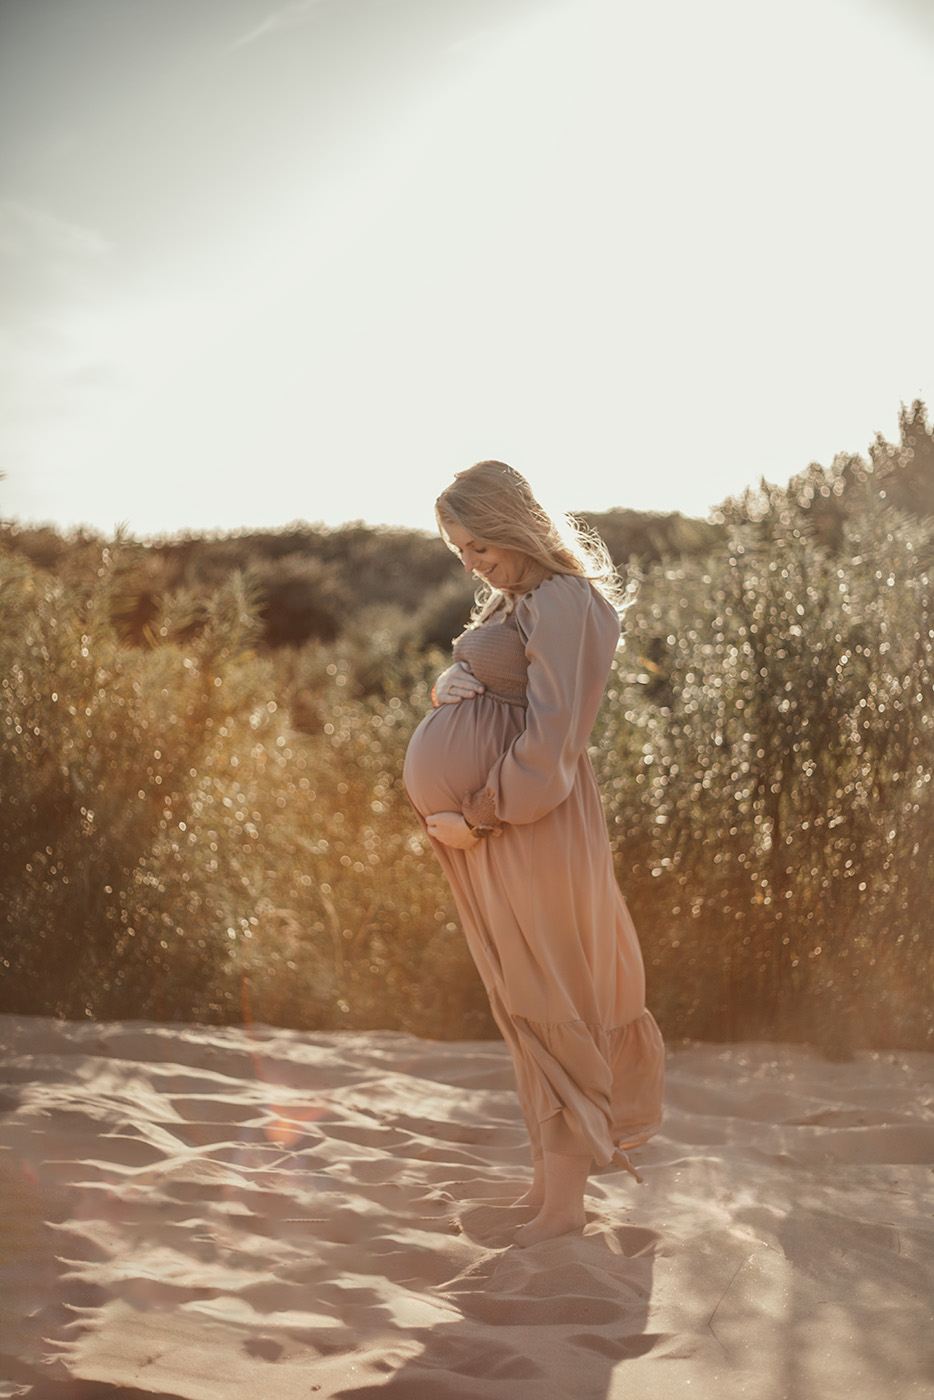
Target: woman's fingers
451,829
455,684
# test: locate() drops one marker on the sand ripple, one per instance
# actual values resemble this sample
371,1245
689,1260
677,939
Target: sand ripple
214,1212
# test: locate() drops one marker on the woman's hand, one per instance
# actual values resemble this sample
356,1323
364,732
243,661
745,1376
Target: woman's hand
451,829
457,683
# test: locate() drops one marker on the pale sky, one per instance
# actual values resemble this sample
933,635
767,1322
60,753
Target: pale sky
263,263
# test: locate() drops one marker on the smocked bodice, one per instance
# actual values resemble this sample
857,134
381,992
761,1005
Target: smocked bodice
495,653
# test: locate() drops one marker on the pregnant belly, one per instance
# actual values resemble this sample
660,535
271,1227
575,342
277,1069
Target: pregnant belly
453,749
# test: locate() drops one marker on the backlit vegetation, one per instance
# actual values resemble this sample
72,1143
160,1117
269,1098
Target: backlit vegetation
202,814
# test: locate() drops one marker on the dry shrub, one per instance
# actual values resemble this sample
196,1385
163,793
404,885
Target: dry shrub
768,751
172,847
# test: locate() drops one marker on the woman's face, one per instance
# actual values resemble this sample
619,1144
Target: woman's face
503,568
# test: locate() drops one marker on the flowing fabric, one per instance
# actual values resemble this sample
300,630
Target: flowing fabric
545,921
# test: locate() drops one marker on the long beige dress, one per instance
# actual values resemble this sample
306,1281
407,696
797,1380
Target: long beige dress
545,921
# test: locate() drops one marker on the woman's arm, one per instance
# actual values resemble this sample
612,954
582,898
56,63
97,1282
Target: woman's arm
571,634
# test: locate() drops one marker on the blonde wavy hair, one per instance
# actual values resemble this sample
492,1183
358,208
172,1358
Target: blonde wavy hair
496,506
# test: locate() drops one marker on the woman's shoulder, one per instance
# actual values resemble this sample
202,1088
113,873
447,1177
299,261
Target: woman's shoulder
569,596
556,586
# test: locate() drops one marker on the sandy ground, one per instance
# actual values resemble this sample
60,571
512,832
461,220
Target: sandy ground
200,1212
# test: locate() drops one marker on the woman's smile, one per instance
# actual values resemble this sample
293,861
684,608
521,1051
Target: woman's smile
499,566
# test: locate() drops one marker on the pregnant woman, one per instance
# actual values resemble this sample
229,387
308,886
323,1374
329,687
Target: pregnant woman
499,776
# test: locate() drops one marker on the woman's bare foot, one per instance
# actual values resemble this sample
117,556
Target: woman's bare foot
562,1210
534,1198
548,1225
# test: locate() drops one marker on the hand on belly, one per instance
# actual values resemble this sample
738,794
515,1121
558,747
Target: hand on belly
457,683
451,829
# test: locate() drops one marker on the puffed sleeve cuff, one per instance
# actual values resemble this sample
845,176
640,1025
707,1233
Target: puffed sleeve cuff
479,810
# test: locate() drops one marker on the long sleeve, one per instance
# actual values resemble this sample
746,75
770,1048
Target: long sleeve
571,633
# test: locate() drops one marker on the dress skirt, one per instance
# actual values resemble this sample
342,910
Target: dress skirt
552,939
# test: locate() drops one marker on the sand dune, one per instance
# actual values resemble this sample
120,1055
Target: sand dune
202,1212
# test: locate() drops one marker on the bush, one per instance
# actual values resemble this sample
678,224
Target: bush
111,886
193,826
172,848
373,938
770,757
